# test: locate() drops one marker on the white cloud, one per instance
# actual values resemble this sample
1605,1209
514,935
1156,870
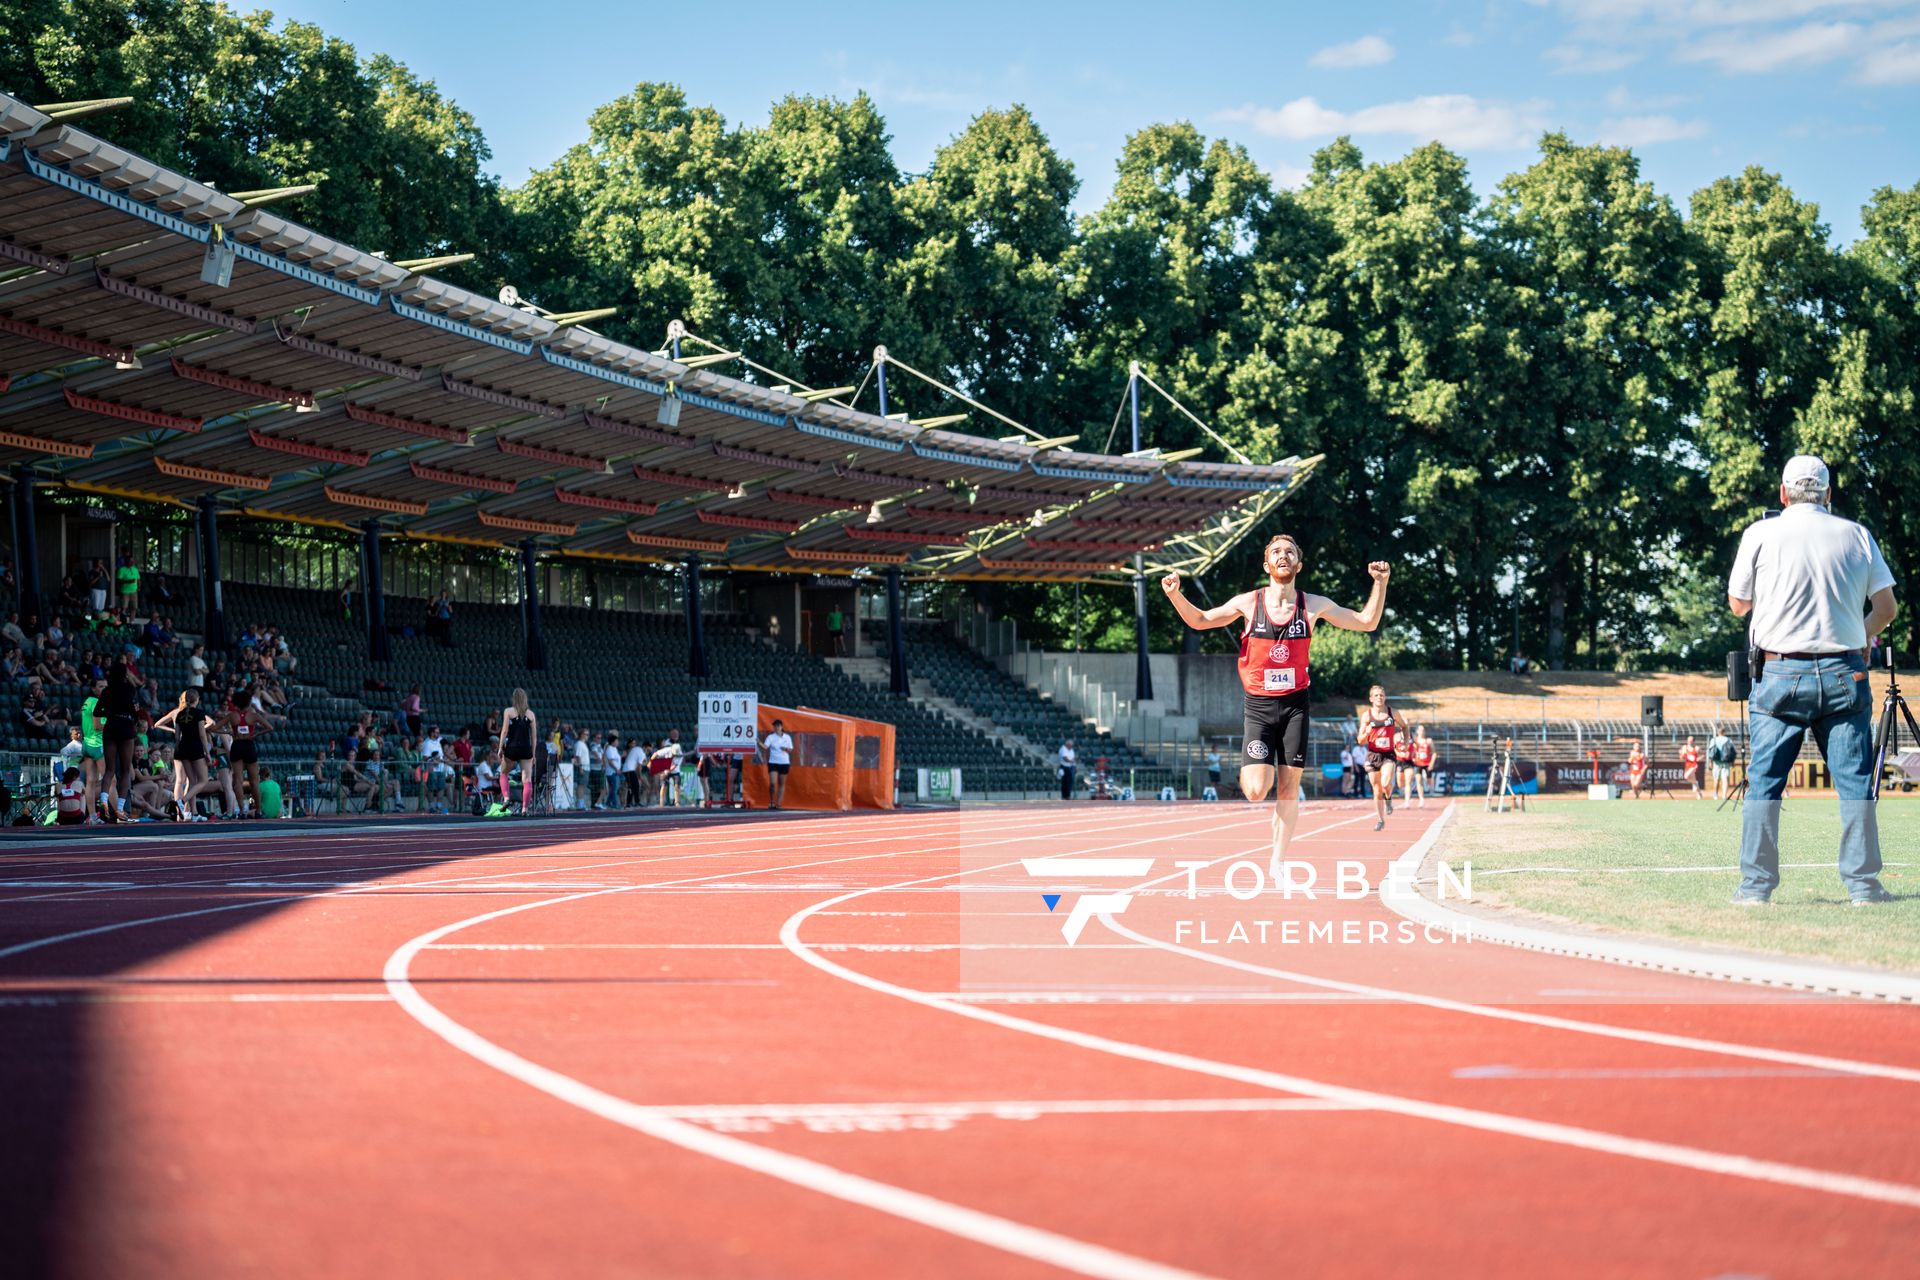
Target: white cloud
1893,64
1646,131
1456,119
1290,177
1747,53
1583,60
1621,99
1367,51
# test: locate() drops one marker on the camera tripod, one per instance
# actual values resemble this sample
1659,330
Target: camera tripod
1738,792
1500,781
1892,711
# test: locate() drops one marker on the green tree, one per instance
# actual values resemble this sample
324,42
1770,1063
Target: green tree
1605,301
1774,289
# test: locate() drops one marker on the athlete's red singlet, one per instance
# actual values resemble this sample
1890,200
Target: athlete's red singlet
1380,734
1423,752
1273,660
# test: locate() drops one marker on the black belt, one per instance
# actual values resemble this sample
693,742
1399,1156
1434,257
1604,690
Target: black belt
1807,657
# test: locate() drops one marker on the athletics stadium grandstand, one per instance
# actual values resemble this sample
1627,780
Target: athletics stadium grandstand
167,346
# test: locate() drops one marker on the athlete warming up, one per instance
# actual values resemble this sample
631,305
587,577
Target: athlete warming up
1278,621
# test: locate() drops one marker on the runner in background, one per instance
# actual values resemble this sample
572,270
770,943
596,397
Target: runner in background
1636,771
1278,620
1420,758
1690,767
1380,727
1403,766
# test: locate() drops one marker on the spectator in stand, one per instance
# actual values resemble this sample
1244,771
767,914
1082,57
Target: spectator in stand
1069,763
414,710
490,729
348,782
97,579
54,669
33,711
219,679
197,667
346,600
1518,664
72,597
487,775
1690,759
17,634
440,619
837,631
127,578
54,637
13,665
59,720
408,769
156,634
461,749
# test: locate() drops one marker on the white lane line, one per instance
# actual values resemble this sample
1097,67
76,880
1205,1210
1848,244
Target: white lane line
970,1224
369,891
774,946
1003,1110
1462,1117
1696,1044
50,998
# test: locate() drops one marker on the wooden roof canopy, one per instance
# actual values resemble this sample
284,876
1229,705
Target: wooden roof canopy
322,384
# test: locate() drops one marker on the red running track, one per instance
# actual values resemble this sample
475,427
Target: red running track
758,1046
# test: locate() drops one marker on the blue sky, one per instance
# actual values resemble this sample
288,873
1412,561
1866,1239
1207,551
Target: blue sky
1825,92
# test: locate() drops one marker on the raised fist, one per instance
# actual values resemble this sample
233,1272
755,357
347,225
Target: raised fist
1171,584
1380,571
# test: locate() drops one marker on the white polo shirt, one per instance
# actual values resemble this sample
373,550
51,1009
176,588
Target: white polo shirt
1809,574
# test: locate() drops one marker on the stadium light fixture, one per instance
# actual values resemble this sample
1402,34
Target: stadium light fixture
667,411
738,491
873,514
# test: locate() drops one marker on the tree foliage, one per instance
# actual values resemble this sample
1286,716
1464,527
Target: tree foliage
1553,408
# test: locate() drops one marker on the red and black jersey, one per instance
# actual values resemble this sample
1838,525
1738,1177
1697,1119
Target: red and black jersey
1381,734
1402,749
1422,752
1273,659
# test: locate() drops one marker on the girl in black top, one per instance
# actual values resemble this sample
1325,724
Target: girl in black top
520,729
117,733
189,725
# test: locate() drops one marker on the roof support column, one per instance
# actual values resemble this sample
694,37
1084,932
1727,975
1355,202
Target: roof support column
696,633
1142,668
212,607
26,548
880,376
530,608
379,648
896,635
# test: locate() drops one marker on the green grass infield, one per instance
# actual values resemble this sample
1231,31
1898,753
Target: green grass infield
1665,869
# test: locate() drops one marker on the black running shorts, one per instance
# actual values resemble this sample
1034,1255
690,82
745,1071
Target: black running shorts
1276,729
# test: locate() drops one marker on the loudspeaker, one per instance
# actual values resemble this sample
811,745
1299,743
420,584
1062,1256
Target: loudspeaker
1739,677
1653,710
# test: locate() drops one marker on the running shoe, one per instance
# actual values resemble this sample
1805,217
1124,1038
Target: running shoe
1380,826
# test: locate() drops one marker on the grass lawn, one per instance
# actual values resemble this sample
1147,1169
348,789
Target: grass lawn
1665,869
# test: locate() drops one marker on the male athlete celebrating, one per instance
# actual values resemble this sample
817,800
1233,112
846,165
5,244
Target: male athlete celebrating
1279,620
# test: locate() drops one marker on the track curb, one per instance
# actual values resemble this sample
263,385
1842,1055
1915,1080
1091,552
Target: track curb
1409,899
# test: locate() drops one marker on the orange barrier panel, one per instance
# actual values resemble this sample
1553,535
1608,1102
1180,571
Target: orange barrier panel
821,776
872,761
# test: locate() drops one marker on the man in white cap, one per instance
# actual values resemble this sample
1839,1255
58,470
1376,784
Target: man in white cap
1804,581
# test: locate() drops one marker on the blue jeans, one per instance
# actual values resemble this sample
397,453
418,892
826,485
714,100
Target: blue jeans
1832,698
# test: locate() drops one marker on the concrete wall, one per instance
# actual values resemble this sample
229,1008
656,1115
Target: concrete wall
1204,686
